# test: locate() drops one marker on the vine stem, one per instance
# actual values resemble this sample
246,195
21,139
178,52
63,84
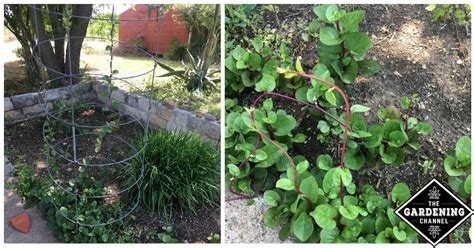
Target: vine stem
346,102
259,133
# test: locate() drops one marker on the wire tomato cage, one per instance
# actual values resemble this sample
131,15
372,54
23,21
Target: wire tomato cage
91,159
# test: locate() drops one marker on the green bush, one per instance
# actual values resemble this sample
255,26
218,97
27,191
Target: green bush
181,171
177,51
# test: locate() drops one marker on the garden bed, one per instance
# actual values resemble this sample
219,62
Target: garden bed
24,147
416,56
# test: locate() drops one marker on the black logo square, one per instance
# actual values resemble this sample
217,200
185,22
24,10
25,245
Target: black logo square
434,212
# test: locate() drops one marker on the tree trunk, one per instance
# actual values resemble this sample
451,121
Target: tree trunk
58,32
77,33
45,50
211,43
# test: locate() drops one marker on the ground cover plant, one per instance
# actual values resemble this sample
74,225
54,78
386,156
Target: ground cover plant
274,109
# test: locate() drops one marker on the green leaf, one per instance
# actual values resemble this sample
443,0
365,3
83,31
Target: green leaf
303,227
233,169
271,117
320,11
397,139
376,139
359,108
301,94
424,128
368,67
268,104
285,184
309,187
324,162
329,236
271,198
463,150
357,42
330,36
344,174
467,185
323,126
330,97
273,153
394,220
333,13
350,21
254,61
261,155
325,216
272,217
349,211
238,53
381,223
354,160
302,166
284,124
322,72
241,64
257,44
450,167
399,234
299,138
405,103
285,231
381,238
267,83
298,66
400,193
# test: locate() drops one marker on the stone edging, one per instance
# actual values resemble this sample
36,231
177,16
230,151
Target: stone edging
162,115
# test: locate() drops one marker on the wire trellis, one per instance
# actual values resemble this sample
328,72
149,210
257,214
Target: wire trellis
69,156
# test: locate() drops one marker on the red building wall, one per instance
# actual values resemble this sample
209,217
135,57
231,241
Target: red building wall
172,28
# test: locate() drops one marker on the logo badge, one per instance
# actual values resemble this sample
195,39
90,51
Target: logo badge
434,212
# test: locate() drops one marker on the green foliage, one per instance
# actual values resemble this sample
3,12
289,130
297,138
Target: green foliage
214,238
260,170
177,51
457,165
198,76
38,190
365,218
461,13
181,171
175,90
198,19
312,199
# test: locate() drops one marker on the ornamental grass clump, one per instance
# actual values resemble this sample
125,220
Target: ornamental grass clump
180,172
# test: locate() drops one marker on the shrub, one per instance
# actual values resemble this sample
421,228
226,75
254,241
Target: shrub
181,171
177,51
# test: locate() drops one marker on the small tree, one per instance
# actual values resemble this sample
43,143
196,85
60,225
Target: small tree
28,24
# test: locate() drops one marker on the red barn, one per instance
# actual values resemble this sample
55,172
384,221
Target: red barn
145,32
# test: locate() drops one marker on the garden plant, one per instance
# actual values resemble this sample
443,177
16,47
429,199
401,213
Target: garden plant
317,199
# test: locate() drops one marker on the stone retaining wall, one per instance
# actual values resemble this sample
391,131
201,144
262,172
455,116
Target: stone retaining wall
162,115
26,106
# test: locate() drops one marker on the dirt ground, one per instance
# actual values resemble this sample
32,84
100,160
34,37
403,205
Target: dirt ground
24,147
417,56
